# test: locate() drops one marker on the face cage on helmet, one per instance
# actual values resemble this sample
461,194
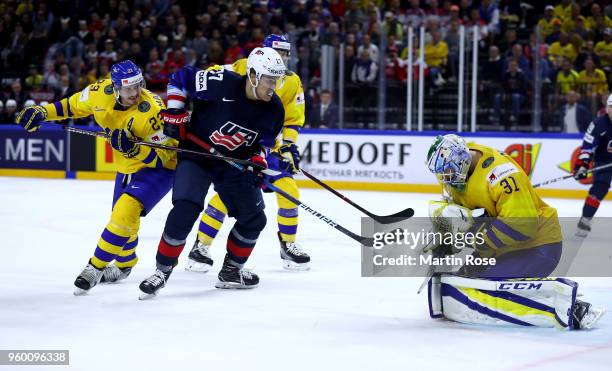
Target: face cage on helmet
117,89
450,165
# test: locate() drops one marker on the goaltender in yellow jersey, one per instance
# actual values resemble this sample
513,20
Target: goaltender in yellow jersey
144,176
475,176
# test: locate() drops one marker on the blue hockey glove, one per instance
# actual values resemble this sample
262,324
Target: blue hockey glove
291,154
31,117
120,140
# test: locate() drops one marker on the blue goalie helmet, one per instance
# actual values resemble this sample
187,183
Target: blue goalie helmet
278,42
126,74
449,158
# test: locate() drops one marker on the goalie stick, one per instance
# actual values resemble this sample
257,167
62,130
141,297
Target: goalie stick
381,219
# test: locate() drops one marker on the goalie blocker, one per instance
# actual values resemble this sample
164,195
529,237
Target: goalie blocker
539,302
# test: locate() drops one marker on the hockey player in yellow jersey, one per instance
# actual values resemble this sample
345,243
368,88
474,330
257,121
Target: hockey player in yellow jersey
125,110
490,194
292,95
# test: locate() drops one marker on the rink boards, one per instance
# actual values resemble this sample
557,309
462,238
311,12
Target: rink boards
346,159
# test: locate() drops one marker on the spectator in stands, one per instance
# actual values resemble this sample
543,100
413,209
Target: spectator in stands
514,91
556,32
593,85
325,113
395,68
18,94
489,13
598,21
3,119
34,79
587,51
516,53
562,48
452,42
391,26
436,58
546,23
566,81
563,10
367,45
483,30
11,111
415,15
156,79
365,69
574,115
603,49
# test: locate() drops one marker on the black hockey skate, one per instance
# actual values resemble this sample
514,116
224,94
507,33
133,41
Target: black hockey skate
150,286
199,259
293,257
232,277
584,227
89,277
112,273
585,316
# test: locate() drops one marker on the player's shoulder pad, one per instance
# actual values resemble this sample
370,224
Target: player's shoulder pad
151,102
501,171
99,92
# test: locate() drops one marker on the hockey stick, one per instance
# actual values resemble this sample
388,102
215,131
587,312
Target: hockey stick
382,219
102,134
571,175
366,241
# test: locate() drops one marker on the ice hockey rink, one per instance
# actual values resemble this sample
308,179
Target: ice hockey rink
327,318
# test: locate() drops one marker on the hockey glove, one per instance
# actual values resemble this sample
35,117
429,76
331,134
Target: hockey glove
292,156
175,122
254,175
120,140
31,117
581,167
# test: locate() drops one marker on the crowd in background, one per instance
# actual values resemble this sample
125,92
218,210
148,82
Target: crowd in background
51,49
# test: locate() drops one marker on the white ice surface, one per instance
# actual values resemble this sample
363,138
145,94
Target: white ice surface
329,318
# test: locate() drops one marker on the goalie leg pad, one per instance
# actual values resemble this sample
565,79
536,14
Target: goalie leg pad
545,302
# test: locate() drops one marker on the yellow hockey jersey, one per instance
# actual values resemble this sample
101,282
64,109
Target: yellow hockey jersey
142,120
499,185
291,94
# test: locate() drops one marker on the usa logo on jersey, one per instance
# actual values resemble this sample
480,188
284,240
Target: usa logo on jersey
232,136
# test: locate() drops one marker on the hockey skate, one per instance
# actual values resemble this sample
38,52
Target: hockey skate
584,227
585,315
293,257
89,277
199,259
232,277
112,273
150,286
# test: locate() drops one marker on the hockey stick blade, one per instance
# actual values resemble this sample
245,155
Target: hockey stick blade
381,219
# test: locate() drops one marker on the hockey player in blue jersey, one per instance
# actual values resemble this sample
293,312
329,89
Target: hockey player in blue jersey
596,146
240,117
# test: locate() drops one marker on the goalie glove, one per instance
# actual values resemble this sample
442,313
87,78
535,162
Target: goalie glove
450,217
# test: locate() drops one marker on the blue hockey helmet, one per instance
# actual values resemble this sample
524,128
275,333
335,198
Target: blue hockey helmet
126,74
277,42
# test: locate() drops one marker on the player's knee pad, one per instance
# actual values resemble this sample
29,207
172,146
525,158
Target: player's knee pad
289,186
125,218
181,219
252,225
542,302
